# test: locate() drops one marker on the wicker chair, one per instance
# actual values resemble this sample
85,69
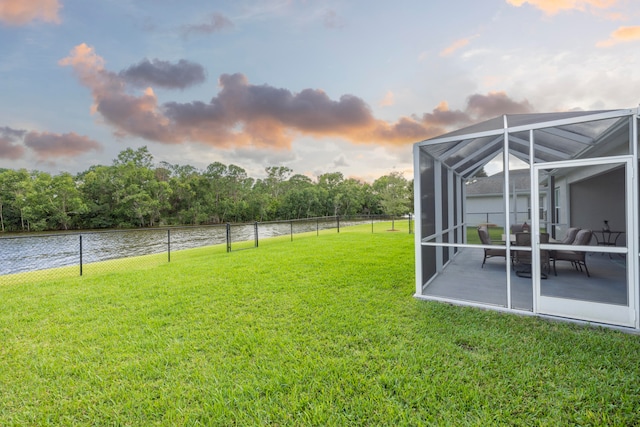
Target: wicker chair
483,233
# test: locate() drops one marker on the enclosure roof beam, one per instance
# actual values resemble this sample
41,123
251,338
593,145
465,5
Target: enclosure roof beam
561,133
540,148
489,146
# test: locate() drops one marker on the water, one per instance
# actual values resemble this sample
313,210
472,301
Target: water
43,251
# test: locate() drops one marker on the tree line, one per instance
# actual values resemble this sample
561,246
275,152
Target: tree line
135,192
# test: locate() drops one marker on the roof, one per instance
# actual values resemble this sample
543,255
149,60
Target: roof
494,184
557,136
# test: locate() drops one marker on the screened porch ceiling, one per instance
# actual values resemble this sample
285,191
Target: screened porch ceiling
557,137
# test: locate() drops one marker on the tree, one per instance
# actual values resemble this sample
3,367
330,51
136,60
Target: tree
64,200
14,186
21,202
350,197
301,199
140,158
394,195
238,188
330,183
133,192
98,187
481,173
276,186
215,193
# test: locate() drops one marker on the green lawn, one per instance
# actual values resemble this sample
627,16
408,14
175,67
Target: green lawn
320,331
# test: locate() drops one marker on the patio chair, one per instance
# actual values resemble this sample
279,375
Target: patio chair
485,239
570,236
522,259
576,258
516,228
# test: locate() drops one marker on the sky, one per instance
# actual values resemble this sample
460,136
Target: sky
318,86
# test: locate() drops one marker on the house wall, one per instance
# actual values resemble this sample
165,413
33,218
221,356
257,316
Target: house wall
598,198
490,209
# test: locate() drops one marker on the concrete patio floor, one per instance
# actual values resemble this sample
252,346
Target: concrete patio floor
463,279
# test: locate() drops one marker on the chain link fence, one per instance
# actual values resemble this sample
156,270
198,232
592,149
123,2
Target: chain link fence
36,257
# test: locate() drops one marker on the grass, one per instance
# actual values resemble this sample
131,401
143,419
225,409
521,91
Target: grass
495,233
318,331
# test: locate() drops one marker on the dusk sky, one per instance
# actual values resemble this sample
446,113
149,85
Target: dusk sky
317,86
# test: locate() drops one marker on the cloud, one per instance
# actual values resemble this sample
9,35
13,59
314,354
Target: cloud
21,12
47,145
483,107
8,147
479,108
442,117
217,23
621,35
457,45
164,74
551,7
129,114
340,162
244,115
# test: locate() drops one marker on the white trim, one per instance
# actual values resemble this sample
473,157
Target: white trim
437,179
507,204
632,244
623,315
417,215
535,224
539,125
572,120
450,218
461,137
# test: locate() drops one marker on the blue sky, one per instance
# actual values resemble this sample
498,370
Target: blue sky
318,86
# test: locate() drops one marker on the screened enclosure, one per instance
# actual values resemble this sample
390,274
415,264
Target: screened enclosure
559,237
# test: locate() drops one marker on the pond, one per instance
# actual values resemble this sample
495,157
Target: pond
22,253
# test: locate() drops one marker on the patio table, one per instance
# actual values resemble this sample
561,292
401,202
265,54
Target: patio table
607,238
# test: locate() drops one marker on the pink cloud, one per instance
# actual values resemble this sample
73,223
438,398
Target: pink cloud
621,35
9,147
244,115
457,45
21,12
47,145
551,7
10,150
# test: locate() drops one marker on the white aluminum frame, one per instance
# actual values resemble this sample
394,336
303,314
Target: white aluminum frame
633,259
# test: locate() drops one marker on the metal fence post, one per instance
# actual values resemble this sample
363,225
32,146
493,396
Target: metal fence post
291,224
255,233
81,254
409,223
338,221
371,224
317,227
228,237
168,245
